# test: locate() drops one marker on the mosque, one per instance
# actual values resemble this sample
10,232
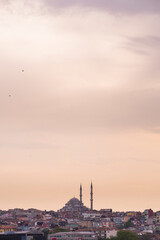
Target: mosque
76,205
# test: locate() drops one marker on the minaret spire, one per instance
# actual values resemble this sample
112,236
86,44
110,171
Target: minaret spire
91,196
80,193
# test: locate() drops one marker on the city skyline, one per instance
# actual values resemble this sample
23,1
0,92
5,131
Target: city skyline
79,102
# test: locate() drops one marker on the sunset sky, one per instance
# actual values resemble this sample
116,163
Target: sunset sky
85,108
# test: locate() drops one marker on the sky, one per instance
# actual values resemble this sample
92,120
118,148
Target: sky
79,102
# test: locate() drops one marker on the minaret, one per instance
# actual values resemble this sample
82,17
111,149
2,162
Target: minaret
80,194
91,196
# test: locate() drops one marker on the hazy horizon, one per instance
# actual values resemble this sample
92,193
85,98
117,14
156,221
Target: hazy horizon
79,102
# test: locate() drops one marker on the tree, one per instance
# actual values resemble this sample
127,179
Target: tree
128,224
127,235
46,231
58,229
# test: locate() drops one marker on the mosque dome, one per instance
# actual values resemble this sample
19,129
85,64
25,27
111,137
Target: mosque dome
74,201
73,205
